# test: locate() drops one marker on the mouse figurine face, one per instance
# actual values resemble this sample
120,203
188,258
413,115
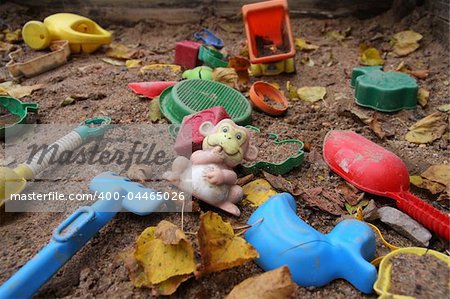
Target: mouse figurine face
208,174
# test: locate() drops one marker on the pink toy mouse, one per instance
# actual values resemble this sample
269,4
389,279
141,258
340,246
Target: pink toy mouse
209,175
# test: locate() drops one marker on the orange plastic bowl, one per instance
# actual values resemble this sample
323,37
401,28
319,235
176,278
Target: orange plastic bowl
260,91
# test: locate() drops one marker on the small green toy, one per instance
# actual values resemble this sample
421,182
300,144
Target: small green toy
200,72
212,57
384,91
16,113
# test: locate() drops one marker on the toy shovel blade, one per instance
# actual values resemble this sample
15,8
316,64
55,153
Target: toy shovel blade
150,89
376,170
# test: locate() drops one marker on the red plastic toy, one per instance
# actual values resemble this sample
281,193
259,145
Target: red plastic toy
150,89
189,138
186,54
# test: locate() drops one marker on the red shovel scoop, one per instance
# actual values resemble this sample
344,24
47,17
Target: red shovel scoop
376,170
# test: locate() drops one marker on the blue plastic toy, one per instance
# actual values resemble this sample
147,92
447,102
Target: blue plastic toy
208,38
314,259
71,235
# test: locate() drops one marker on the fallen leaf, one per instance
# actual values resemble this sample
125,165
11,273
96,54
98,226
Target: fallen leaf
351,209
292,91
438,173
371,57
225,75
422,97
280,183
139,172
257,192
312,197
334,34
371,121
423,183
227,27
120,51
427,129
17,90
444,198
115,62
244,180
220,248
419,74
311,93
405,42
67,101
155,112
6,47
133,63
163,259
239,63
12,36
269,285
444,108
350,194
302,44
174,68
306,60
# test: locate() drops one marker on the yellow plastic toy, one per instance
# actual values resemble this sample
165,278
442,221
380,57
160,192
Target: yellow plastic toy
83,34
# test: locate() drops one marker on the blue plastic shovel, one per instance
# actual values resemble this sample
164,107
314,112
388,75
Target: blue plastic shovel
77,230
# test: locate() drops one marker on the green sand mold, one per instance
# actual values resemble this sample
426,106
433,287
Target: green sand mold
386,91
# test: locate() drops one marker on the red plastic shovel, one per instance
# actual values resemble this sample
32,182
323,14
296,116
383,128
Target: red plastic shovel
376,170
150,89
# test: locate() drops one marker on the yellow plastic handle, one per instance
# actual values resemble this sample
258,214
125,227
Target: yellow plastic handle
36,35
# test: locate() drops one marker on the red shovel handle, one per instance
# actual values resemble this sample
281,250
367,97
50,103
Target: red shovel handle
424,213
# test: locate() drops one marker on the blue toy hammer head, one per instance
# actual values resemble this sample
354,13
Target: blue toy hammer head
314,259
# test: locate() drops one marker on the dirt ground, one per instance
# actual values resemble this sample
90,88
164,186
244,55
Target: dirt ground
96,270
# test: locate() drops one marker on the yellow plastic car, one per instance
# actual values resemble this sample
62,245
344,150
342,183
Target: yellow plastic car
83,34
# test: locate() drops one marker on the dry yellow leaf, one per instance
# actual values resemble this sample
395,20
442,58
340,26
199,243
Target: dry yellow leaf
120,51
420,182
17,90
269,285
12,36
257,192
225,75
220,248
133,63
422,97
292,91
405,42
302,44
427,129
112,61
438,173
371,57
334,34
311,93
175,68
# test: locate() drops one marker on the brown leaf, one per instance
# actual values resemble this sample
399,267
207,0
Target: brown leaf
220,248
419,74
312,196
169,233
423,183
351,194
428,129
269,285
438,173
245,179
280,183
139,172
422,97
371,121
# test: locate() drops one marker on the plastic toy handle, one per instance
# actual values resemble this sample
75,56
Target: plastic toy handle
93,127
67,239
424,213
31,107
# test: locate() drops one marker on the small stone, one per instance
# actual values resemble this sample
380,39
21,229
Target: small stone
404,225
370,212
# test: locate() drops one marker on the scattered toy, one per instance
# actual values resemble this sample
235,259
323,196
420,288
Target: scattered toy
373,169
314,259
413,272
269,37
363,70
186,54
274,156
60,51
189,139
191,96
212,58
71,235
200,72
208,174
150,89
13,181
13,112
384,91
83,34
208,38
268,99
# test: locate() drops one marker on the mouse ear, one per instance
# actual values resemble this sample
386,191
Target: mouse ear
206,128
252,153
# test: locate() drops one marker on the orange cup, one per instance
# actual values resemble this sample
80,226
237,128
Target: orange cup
268,99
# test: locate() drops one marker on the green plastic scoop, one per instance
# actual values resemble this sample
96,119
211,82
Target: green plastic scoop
13,112
13,181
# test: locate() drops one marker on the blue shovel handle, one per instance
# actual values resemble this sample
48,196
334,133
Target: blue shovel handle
71,235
